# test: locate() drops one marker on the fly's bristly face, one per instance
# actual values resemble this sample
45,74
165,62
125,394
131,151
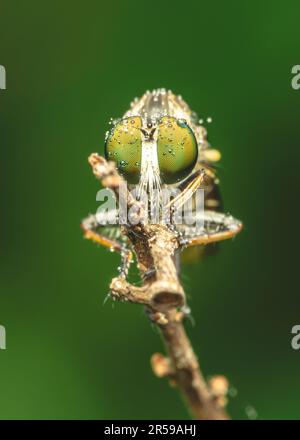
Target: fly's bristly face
156,142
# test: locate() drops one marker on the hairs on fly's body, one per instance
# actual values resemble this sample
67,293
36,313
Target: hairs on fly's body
150,181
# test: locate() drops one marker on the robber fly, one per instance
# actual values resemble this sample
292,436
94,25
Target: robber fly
159,143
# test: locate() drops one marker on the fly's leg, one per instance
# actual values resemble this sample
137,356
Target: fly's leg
210,155
90,231
126,260
187,188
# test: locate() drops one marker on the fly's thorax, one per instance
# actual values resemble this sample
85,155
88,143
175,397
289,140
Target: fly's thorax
152,106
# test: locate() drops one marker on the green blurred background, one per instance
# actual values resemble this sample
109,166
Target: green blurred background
70,67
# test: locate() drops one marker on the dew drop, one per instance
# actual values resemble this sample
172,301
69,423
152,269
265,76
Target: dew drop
251,412
182,123
123,163
232,392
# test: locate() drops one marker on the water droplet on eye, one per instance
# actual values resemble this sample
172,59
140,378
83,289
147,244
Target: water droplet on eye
182,123
123,163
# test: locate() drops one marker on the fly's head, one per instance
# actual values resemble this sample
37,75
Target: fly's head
156,142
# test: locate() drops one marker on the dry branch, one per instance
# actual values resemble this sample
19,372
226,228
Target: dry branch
164,298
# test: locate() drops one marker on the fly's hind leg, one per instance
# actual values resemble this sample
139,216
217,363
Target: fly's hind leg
100,234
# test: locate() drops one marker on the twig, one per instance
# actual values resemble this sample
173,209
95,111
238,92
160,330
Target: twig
164,298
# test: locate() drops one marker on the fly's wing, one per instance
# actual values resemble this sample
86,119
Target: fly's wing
103,228
209,227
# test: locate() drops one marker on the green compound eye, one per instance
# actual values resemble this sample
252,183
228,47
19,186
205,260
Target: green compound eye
124,146
177,149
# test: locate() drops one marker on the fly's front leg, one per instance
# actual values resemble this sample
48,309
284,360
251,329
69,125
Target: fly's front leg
187,190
